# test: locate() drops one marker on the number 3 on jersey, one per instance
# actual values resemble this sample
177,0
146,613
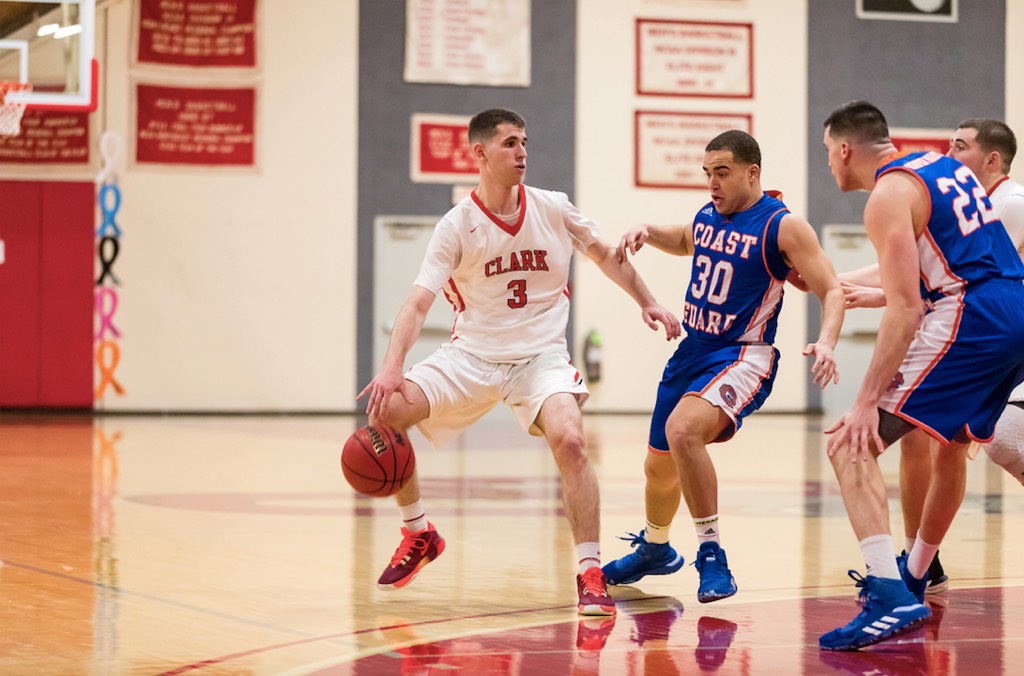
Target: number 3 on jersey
965,179
518,289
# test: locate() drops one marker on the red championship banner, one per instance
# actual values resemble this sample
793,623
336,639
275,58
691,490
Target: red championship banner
197,33
48,137
192,125
440,149
920,140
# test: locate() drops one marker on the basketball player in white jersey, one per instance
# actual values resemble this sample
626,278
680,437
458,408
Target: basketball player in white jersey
987,147
501,257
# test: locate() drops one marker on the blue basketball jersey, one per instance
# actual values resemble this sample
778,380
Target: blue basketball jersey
738,275
964,242
967,354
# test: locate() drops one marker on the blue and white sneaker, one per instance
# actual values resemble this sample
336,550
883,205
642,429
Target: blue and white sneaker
716,581
889,610
648,559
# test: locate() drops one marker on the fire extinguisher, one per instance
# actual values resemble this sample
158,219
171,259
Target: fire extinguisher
592,356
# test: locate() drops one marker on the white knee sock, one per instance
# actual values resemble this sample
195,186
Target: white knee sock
1007,446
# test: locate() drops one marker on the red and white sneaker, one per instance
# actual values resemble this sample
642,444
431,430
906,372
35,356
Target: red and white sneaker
592,633
416,551
593,590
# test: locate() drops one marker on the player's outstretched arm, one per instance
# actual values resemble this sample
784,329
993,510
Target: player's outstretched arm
862,296
390,378
618,269
674,239
799,244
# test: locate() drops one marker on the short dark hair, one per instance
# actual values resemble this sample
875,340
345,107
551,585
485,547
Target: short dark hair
485,124
994,135
743,146
859,121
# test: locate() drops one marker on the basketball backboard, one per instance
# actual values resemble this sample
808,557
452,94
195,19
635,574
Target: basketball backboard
50,45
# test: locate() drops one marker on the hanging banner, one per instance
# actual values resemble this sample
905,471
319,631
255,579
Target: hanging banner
670,146
190,33
48,137
468,42
942,11
195,125
694,58
440,149
920,140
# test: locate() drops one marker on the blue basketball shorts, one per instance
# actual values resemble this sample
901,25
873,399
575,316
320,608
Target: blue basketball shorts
735,378
965,359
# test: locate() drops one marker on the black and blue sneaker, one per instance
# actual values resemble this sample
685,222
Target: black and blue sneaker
648,559
914,586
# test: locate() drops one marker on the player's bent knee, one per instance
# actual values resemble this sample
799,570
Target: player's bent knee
1007,445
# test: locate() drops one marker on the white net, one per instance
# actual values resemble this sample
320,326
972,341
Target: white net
12,108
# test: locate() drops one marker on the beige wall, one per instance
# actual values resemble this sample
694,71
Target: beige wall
633,356
239,290
1015,80
238,287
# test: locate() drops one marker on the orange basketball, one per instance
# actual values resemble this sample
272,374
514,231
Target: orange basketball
377,461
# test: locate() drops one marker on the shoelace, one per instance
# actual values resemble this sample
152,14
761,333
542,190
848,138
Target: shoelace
637,541
703,560
594,584
419,541
870,601
859,583
634,540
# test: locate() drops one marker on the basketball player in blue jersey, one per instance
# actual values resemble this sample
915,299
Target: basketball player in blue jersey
948,372
501,257
987,147
744,243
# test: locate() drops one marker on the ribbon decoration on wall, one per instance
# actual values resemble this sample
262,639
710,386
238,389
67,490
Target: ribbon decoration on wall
108,246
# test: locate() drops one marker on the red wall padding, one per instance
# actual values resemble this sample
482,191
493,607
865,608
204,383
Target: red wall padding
46,294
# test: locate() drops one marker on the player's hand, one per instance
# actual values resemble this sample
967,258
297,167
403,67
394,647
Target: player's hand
854,433
824,367
387,381
632,241
862,296
653,314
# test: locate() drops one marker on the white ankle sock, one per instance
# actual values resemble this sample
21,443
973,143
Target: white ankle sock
655,534
880,556
589,555
413,517
707,529
921,558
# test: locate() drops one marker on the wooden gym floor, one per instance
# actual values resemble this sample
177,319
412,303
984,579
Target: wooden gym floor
232,545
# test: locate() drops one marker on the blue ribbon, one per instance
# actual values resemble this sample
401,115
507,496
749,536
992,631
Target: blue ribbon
109,212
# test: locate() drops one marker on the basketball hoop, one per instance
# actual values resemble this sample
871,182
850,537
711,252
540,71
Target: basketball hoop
12,110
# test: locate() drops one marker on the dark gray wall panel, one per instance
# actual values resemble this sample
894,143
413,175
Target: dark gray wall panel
386,104
920,74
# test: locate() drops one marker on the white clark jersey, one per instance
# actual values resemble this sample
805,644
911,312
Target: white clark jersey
507,282
1007,199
